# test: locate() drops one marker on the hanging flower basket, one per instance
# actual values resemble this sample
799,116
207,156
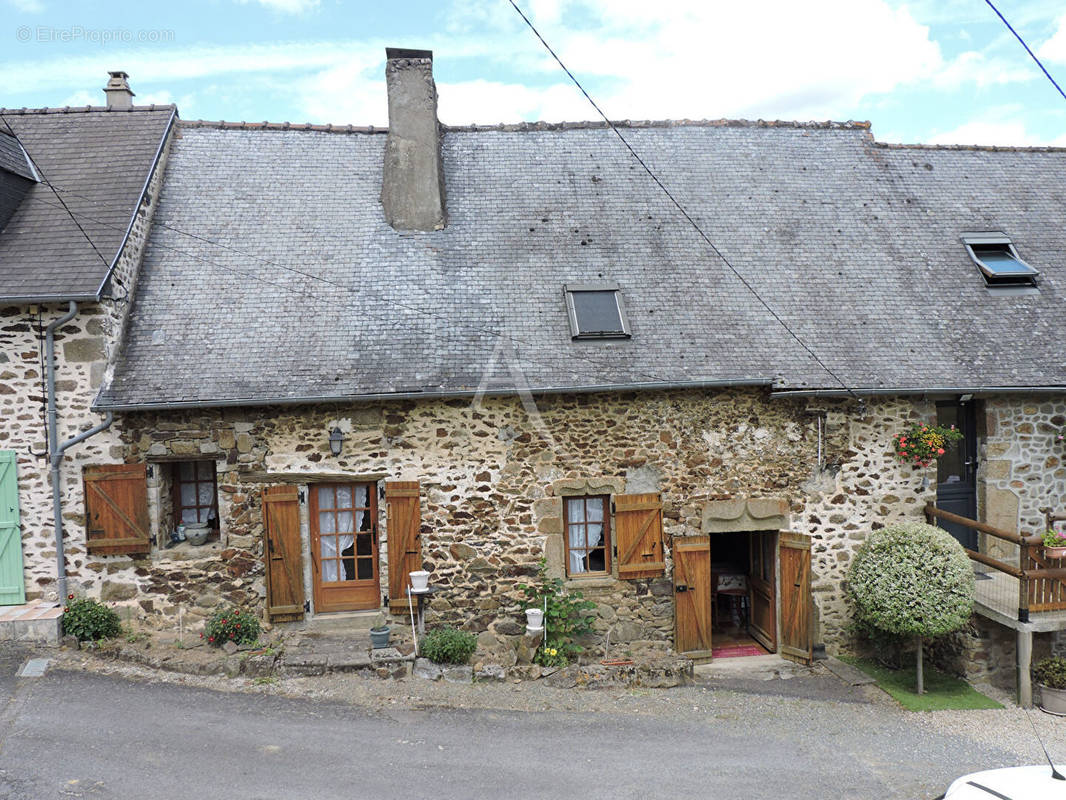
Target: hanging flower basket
920,445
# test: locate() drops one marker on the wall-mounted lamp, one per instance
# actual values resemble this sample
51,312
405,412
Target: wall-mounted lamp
336,441
965,398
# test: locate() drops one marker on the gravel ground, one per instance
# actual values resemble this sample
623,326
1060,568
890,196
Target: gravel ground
789,704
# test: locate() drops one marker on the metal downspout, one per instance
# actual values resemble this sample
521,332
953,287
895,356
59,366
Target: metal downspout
55,449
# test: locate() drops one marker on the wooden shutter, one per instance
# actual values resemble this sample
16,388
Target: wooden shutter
794,552
116,509
284,564
638,528
403,516
12,583
692,595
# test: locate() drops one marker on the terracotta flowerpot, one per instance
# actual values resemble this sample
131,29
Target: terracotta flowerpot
1053,701
1055,552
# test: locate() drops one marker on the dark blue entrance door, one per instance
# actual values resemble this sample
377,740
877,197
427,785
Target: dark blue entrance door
956,471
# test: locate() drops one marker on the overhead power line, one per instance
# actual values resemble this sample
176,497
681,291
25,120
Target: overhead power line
1030,52
696,226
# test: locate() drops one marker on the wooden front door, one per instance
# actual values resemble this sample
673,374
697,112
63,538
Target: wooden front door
692,595
794,552
761,594
344,546
284,566
956,471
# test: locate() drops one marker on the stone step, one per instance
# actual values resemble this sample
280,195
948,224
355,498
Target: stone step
340,621
39,622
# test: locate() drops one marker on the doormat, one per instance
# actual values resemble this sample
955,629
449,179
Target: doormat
737,651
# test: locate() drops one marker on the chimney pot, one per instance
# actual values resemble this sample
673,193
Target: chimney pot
412,190
118,92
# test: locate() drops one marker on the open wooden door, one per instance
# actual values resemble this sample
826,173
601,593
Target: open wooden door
403,512
692,595
284,566
761,595
794,552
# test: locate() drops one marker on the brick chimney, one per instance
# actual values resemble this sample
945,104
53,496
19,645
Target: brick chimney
118,91
412,190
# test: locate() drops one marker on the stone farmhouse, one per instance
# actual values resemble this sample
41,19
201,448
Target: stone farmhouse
355,352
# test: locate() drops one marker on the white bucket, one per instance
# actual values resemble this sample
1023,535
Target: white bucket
534,618
419,580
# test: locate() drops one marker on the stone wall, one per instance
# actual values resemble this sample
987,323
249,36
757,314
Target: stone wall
492,477
85,350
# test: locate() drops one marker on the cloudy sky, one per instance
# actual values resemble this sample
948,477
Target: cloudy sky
942,71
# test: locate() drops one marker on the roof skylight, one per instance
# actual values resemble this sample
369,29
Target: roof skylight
999,262
596,311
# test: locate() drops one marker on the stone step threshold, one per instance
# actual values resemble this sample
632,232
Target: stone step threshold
37,621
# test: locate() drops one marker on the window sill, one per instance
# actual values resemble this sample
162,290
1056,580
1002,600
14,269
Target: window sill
591,582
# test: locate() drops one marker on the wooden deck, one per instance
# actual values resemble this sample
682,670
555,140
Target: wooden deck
996,597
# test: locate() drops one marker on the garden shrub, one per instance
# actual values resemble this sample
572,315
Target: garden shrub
89,620
231,625
448,646
1051,672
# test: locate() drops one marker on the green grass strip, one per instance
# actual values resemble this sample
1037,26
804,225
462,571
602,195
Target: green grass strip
942,692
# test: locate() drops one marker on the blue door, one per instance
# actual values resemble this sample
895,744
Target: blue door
956,471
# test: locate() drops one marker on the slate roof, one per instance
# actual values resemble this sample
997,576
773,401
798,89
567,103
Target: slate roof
100,160
854,244
13,158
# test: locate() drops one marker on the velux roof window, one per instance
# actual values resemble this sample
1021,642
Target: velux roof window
999,262
596,311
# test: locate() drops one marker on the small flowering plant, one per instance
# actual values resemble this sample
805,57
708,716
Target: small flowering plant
549,656
231,625
89,620
1054,538
920,445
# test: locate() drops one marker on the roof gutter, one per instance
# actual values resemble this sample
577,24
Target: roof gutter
918,390
442,395
137,205
40,300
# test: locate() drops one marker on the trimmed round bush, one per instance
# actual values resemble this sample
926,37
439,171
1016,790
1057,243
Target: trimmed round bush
912,579
448,646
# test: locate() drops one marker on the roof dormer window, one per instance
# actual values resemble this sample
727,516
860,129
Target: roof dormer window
596,311
999,262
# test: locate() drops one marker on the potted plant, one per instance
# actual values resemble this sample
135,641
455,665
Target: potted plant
920,445
1050,676
1055,544
379,634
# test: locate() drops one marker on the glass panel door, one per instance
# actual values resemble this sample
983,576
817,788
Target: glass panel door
344,541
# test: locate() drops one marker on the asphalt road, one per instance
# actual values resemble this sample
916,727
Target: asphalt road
76,734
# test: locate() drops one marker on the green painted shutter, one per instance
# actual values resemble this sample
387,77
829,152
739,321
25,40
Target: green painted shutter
12,584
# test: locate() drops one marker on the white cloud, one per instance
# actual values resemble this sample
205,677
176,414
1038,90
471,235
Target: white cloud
1004,133
982,71
27,6
285,6
1054,49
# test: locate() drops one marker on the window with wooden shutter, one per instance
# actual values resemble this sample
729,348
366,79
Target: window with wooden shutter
116,509
638,524
403,515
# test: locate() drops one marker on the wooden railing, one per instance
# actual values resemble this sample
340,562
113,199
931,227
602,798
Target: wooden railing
1041,586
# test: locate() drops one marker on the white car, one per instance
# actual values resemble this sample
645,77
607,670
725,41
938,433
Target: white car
1009,783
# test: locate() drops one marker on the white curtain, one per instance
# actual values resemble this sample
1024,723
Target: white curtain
337,533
